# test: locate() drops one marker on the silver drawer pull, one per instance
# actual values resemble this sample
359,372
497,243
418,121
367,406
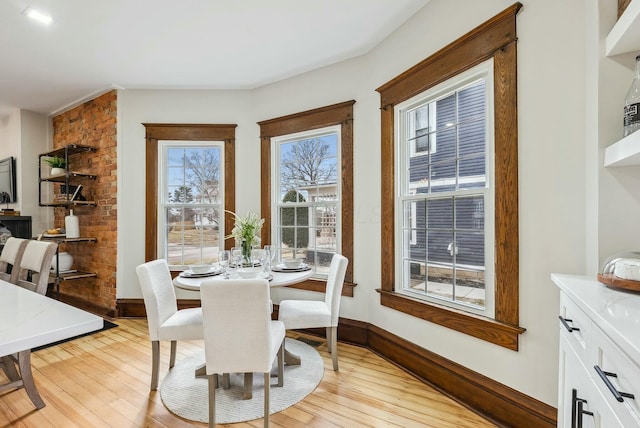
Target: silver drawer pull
605,378
565,322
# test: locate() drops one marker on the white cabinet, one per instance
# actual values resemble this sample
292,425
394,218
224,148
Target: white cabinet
624,38
599,361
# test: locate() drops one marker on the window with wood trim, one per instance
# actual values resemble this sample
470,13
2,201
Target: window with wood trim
327,130
195,142
495,41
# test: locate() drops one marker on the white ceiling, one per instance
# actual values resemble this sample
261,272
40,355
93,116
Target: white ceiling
93,45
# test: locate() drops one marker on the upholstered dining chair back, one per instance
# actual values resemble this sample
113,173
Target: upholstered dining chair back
239,335
10,259
158,293
35,266
164,320
335,283
299,314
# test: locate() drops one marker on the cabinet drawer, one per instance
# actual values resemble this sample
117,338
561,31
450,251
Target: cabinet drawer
575,325
609,358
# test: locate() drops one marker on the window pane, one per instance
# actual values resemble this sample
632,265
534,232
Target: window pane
471,102
443,176
440,214
193,187
308,176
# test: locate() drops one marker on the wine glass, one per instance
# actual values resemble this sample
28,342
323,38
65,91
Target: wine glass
223,260
236,256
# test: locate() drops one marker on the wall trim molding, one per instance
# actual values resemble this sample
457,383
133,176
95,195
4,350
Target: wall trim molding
493,400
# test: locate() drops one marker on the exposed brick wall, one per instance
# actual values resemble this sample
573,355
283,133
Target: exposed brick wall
93,124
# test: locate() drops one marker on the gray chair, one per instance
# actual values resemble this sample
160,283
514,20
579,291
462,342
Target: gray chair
297,314
10,259
34,267
239,335
165,321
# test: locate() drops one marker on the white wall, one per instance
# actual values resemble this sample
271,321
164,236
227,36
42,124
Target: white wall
10,144
35,136
552,159
24,135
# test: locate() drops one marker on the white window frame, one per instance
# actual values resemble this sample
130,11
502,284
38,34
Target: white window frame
163,146
406,191
276,143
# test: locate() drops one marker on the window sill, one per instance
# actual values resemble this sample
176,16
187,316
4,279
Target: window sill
320,286
490,330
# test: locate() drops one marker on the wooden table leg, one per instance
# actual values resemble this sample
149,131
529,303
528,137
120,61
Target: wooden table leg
291,359
24,362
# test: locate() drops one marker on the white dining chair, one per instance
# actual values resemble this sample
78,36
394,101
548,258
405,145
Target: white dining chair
298,314
10,259
35,264
164,319
239,335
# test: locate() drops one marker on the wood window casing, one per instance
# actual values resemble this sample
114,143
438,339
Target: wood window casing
496,38
184,132
336,114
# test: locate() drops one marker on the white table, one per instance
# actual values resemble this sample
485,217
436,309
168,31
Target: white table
280,279
28,320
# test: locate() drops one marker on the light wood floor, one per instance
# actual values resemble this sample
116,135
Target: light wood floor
102,380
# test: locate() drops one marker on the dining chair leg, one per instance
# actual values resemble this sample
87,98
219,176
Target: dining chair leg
328,334
155,363
247,392
334,347
24,362
212,400
281,364
267,380
172,357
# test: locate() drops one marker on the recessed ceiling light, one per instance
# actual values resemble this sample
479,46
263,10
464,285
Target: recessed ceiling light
38,16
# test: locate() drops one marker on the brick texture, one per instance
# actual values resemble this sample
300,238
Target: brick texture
93,124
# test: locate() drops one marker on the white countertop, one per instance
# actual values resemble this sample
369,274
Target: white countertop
617,313
29,319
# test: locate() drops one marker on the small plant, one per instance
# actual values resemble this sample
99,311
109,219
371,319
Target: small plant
56,162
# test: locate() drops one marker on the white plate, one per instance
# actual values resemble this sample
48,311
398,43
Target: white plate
282,268
190,274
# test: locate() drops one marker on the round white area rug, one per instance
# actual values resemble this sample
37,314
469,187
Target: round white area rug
187,396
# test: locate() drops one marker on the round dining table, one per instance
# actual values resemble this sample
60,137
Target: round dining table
277,279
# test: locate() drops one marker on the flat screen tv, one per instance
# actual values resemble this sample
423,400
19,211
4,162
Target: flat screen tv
8,190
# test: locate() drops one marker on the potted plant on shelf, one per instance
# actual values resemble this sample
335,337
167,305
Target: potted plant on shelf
57,165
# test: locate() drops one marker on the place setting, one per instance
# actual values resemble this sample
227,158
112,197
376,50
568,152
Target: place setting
202,271
291,265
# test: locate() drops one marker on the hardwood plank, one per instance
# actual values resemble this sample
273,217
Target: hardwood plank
102,380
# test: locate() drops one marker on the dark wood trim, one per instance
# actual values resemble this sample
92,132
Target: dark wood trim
496,38
86,305
622,6
488,397
321,286
507,260
134,308
155,132
307,120
487,329
476,46
335,114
